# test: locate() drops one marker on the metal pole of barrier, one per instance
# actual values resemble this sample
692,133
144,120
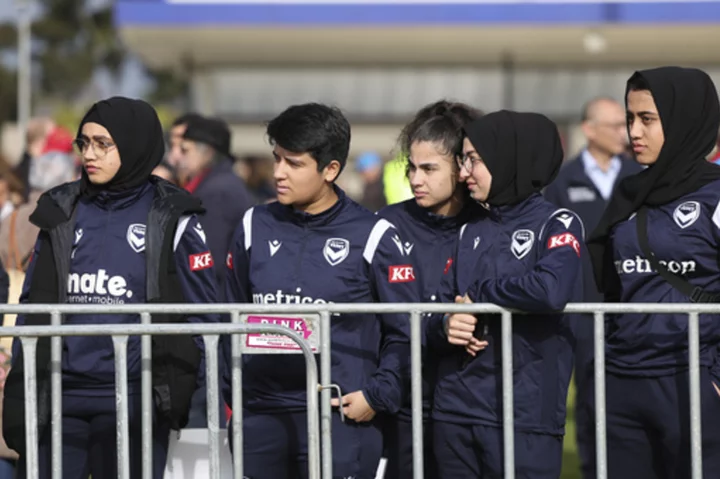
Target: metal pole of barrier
416,383
237,401
600,404
695,420
29,346
325,396
211,377
56,397
508,403
313,416
121,402
146,399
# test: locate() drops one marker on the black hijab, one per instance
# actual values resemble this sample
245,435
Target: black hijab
687,103
522,151
135,129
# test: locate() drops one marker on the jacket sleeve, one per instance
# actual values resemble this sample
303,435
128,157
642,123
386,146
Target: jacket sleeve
25,294
237,290
224,212
553,280
392,274
237,265
194,264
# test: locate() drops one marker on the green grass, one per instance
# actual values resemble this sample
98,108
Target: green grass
571,461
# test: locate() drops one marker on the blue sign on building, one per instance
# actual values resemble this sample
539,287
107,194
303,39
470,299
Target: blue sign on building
238,12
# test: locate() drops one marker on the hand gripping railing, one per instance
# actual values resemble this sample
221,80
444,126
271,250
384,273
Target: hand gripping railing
210,334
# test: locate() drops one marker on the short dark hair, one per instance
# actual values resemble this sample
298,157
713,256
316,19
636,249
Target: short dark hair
186,118
319,130
637,82
441,123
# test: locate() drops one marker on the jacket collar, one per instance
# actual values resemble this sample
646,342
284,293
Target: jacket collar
112,201
510,212
470,210
319,219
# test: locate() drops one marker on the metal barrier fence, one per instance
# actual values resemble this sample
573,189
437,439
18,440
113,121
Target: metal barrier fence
319,445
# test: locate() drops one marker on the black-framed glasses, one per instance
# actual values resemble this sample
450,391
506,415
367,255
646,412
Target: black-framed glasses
100,146
467,162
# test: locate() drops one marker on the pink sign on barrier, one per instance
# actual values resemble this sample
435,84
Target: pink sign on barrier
304,326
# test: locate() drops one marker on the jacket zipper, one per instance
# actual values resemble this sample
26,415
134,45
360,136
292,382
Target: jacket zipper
298,266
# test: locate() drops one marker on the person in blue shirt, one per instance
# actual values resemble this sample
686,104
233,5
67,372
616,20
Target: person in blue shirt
658,243
585,185
429,223
317,246
116,236
526,256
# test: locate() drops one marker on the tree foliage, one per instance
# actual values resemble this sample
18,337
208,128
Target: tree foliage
70,42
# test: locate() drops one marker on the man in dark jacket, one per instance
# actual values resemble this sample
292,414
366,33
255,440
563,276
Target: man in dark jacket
585,185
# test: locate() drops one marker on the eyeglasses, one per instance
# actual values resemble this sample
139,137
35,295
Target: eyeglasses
467,162
100,146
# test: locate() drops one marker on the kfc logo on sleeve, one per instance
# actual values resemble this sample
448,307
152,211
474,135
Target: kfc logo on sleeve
229,261
565,239
201,261
401,274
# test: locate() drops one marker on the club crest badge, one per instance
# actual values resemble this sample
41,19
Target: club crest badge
336,250
522,242
136,237
686,214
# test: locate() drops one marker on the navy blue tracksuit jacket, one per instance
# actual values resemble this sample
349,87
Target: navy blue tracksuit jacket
647,354
685,236
433,238
108,267
343,255
525,257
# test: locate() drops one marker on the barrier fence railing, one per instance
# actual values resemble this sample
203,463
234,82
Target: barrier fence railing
315,338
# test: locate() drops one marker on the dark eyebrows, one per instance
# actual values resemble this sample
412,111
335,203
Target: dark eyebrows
427,165
642,113
292,159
